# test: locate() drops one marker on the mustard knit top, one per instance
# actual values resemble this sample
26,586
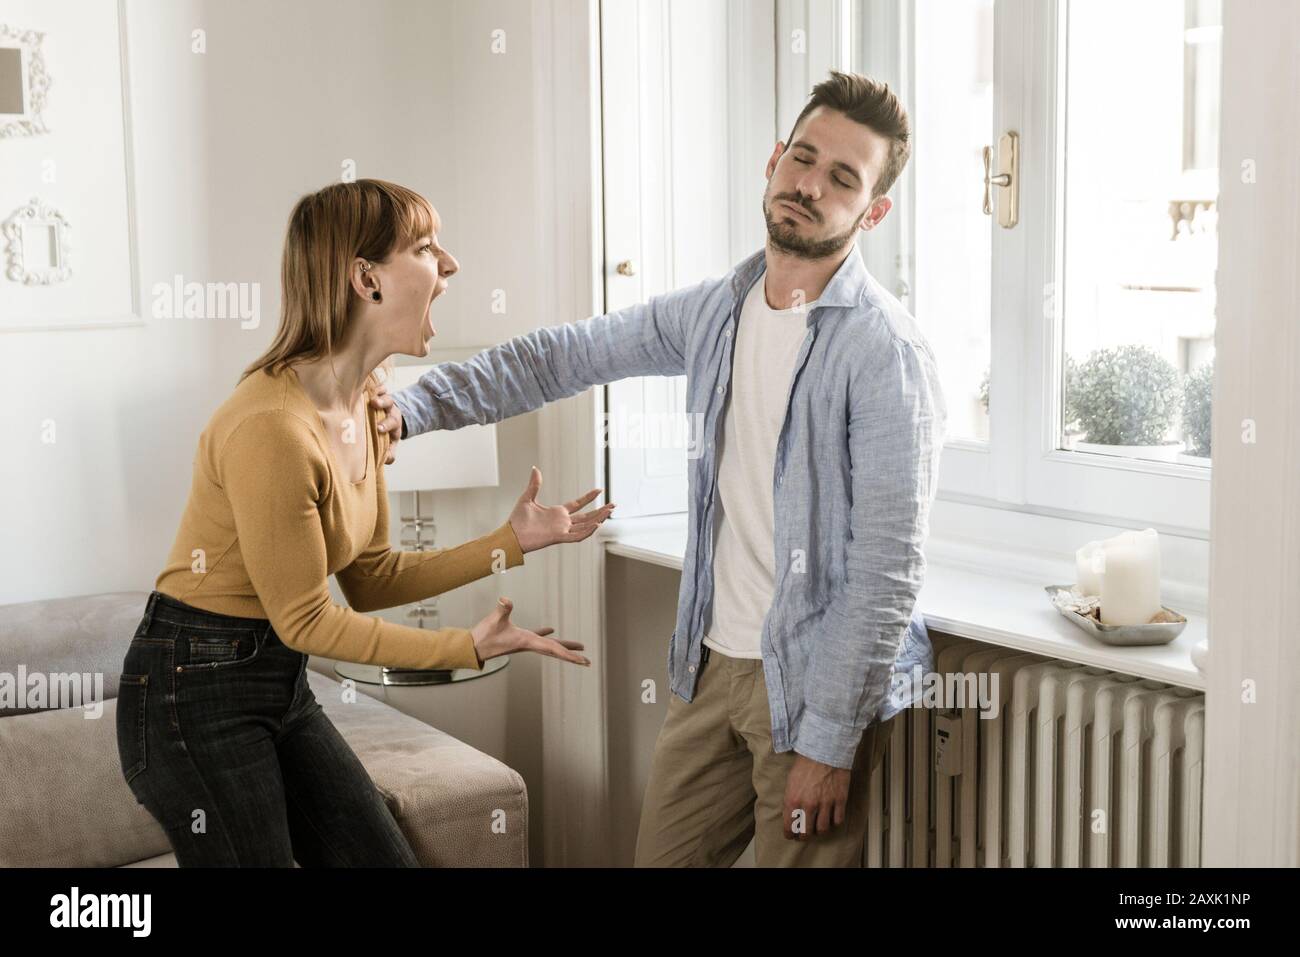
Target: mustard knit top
270,518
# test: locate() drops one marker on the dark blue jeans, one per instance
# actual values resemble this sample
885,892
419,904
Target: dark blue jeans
222,740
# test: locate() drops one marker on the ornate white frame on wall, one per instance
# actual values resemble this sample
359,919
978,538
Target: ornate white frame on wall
35,82
37,213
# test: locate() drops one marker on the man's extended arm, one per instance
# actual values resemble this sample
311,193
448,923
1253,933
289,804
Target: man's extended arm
897,420
554,362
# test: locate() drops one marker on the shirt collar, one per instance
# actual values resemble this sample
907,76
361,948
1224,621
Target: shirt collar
846,287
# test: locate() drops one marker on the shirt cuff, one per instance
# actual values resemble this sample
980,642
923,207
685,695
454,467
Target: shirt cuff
410,411
827,741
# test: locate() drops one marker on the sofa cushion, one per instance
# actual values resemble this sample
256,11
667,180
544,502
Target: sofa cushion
88,634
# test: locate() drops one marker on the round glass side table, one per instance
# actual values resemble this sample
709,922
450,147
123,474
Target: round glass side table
412,677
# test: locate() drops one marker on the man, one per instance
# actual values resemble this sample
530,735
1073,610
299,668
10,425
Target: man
804,553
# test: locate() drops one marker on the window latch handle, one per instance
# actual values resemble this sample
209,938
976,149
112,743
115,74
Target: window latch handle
1006,179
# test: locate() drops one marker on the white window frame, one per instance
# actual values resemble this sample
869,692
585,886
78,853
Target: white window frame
1020,466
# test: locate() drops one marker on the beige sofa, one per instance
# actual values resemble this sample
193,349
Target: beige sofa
64,803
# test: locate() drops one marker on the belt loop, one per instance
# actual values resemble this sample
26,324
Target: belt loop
148,609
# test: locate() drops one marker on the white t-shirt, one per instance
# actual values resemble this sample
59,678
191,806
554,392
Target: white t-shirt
767,344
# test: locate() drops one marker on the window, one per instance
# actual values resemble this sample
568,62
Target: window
1076,346
953,121
688,114
1141,151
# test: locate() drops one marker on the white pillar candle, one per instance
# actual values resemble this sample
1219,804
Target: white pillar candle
1130,584
1089,563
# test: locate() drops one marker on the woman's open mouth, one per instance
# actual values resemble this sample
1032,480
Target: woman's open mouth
429,331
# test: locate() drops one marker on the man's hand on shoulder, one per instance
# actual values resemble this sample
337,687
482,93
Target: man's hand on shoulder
392,421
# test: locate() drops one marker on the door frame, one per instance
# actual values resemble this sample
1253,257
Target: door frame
575,767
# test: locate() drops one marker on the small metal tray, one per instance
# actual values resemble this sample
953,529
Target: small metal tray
1152,633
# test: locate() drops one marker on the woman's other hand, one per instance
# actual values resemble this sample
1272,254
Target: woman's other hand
537,526
497,635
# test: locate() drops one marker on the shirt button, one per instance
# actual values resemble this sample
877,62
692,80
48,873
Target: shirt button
727,333
719,390
690,668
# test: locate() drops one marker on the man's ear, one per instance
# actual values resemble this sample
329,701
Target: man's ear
878,210
774,159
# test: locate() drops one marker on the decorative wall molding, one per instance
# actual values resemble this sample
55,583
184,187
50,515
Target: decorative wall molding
15,230
90,280
36,82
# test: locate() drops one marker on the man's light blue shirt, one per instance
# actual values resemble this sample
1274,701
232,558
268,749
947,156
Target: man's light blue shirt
857,465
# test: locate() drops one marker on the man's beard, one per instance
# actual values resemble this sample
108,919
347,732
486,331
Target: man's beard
788,240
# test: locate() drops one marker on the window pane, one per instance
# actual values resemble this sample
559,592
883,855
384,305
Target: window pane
952,117
1141,143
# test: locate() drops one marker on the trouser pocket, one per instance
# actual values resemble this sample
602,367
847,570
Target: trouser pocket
132,697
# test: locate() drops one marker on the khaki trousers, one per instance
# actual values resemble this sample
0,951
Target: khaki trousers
715,781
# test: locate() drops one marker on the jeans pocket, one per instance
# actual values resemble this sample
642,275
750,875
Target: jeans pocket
214,648
132,698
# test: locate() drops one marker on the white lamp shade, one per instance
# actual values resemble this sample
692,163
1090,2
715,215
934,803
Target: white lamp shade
458,458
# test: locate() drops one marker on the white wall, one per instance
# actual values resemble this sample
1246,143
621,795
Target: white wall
224,143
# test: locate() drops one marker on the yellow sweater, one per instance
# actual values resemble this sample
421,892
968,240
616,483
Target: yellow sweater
270,518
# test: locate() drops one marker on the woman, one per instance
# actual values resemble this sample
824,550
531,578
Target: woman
219,735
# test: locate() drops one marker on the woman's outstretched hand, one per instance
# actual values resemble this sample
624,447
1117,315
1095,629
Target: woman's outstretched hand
497,635
537,526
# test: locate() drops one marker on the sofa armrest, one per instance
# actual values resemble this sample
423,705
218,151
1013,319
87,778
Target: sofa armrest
65,802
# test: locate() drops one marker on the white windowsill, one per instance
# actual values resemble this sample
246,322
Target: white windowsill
1000,610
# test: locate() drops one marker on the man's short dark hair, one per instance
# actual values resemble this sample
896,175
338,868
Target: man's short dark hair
873,104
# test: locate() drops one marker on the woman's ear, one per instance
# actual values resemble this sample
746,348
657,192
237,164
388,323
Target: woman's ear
363,280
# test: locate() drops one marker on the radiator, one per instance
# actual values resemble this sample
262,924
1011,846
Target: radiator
1081,767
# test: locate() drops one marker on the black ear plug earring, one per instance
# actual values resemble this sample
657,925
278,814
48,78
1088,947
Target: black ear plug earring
365,267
